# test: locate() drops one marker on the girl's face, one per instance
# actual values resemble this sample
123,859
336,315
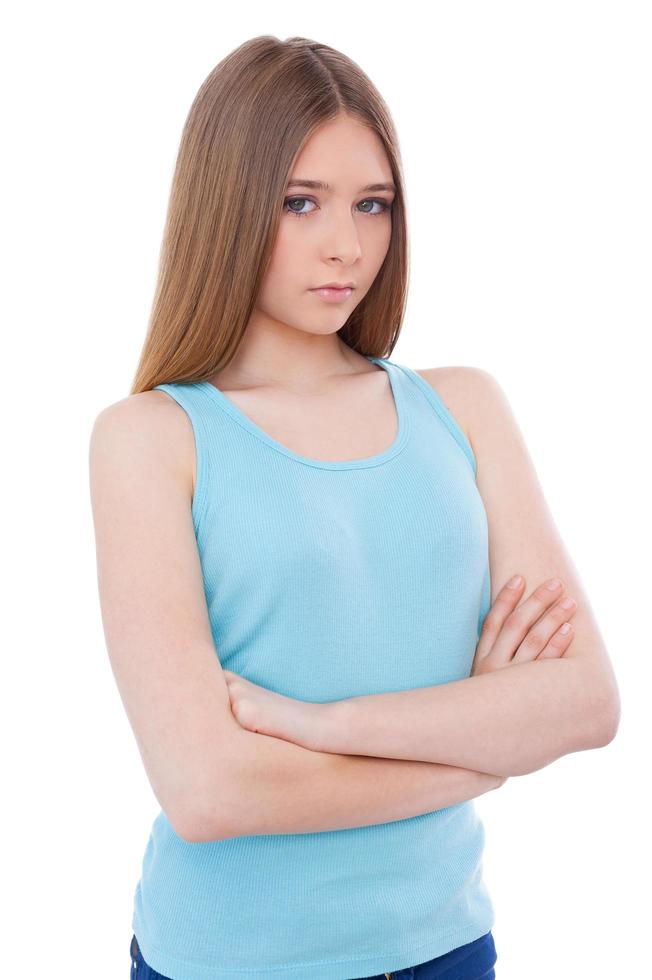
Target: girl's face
339,233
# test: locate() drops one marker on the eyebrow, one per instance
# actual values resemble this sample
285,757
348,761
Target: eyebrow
320,185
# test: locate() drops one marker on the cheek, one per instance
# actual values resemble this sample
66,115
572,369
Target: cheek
374,251
282,278
379,237
287,250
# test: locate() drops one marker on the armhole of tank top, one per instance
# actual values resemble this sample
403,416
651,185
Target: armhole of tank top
485,602
199,496
445,415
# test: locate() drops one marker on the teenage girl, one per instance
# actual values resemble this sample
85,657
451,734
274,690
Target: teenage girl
305,557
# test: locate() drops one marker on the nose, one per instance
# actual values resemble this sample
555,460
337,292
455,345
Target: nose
341,239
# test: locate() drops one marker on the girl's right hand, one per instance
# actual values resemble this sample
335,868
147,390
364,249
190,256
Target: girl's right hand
518,634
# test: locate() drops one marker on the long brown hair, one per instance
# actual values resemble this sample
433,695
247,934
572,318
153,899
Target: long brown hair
246,126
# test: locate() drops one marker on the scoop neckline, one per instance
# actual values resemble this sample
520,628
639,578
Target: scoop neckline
225,403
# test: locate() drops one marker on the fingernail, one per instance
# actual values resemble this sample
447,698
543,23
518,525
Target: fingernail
513,582
553,584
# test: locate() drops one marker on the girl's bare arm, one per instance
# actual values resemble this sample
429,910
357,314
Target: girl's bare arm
277,787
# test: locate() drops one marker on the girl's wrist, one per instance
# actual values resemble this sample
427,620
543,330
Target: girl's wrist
328,733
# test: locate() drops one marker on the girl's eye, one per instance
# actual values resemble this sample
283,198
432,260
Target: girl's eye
384,206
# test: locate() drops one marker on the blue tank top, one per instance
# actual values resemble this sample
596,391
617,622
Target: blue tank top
326,580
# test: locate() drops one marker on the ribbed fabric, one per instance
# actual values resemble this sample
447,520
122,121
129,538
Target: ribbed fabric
327,580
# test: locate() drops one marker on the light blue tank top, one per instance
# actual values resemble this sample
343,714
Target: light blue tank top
326,580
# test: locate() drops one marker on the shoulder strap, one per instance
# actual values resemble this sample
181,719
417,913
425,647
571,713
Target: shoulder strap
185,395
443,412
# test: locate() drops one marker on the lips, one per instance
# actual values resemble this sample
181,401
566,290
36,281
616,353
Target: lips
335,285
333,294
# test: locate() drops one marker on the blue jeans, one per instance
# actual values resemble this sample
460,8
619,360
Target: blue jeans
473,961
140,970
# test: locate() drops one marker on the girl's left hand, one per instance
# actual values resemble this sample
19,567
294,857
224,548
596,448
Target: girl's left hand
258,709
513,633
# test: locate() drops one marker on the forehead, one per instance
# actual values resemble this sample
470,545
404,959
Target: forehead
342,155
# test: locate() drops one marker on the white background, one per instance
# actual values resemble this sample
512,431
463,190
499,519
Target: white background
525,136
